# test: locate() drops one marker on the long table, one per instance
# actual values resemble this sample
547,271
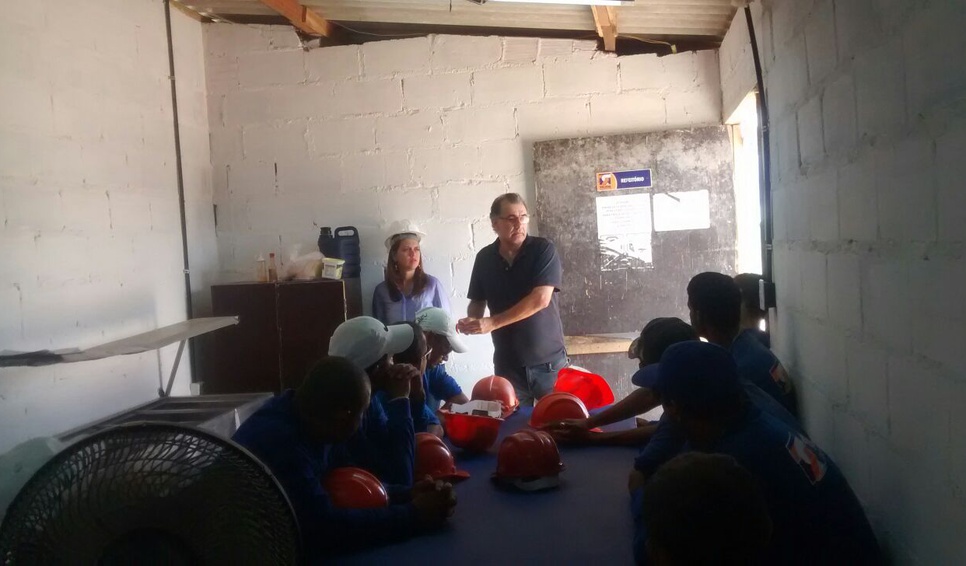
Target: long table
584,521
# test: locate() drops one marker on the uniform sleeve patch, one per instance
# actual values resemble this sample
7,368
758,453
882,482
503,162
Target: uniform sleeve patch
809,457
780,376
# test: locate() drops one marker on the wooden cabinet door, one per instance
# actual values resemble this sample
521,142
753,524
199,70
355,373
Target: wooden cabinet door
243,358
308,314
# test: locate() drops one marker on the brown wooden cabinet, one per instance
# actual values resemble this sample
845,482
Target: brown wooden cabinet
283,329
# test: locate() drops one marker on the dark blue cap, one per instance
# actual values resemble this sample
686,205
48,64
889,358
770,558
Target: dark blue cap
693,373
646,376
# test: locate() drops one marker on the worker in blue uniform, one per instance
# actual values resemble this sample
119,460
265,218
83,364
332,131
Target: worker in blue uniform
417,355
300,436
816,517
442,339
704,509
714,303
385,443
656,336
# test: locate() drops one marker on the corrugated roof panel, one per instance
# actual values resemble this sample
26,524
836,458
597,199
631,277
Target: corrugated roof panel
710,18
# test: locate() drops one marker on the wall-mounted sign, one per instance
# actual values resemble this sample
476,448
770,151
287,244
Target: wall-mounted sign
619,180
682,211
624,231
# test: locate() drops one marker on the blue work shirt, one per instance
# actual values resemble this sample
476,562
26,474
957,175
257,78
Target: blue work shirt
273,434
815,515
422,415
405,309
439,386
537,339
385,444
759,335
668,439
759,365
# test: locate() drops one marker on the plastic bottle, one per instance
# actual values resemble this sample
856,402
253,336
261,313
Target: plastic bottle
261,272
347,240
327,242
343,243
272,269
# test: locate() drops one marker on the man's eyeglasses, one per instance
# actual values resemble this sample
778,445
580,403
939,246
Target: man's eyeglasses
522,219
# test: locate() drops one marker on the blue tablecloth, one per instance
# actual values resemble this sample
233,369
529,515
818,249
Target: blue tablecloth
584,521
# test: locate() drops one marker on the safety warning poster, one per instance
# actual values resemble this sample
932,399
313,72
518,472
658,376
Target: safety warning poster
624,231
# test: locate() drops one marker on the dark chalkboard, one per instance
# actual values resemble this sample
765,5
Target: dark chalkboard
595,301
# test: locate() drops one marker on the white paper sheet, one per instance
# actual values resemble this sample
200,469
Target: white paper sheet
624,231
682,211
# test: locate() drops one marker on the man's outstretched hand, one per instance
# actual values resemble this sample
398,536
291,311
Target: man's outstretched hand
471,325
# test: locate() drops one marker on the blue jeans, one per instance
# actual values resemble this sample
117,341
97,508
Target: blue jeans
533,382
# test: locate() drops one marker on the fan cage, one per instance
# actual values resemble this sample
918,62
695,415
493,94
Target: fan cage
170,484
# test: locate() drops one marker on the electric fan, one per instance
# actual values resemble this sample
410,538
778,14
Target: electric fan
151,494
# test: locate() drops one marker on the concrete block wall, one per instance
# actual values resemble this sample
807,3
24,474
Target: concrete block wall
868,137
430,128
90,239
737,63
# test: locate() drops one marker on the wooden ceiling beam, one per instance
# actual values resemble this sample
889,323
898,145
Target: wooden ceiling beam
605,19
305,19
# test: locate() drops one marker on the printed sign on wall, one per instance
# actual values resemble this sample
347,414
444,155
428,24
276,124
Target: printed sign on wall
682,211
619,180
624,231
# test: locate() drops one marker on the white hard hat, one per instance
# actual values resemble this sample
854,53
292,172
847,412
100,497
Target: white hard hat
401,228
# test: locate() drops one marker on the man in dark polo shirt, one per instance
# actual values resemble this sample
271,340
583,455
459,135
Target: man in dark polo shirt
517,277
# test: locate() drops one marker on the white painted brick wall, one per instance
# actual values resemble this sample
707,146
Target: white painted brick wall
520,50
334,137
904,214
821,198
91,234
332,64
502,158
403,57
858,219
555,119
270,68
866,365
581,77
629,112
820,42
866,96
844,286
419,129
880,91
811,145
838,115
388,137
366,97
437,91
507,85
478,125
456,52
270,142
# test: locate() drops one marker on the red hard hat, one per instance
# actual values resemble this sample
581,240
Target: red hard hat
474,433
434,459
590,388
496,388
355,488
528,459
557,406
